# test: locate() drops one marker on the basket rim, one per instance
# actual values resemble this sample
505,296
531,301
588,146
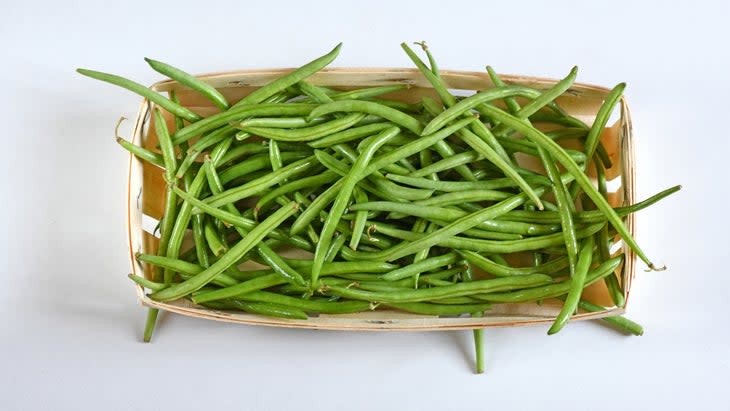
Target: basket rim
413,75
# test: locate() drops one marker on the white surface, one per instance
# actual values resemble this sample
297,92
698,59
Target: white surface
71,327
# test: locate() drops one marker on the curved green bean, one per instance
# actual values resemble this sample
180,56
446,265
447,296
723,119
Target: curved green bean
307,133
553,267
577,282
141,152
369,107
421,266
143,91
455,290
349,135
281,83
191,81
237,114
552,290
262,183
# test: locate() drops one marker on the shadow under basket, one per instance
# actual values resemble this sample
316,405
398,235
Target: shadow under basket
146,194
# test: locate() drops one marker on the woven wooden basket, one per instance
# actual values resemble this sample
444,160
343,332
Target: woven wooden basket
146,193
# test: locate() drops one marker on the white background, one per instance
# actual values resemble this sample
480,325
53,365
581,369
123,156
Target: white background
71,327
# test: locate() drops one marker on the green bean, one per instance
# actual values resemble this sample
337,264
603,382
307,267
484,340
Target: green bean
243,150
445,151
311,305
577,282
146,283
343,197
552,290
194,83
361,218
425,158
565,207
587,217
334,248
414,108
604,243
377,286
369,107
553,267
306,182
349,135
453,186
568,133
455,290
201,249
431,59
421,266
247,275
260,184
510,102
369,92
446,163
211,237
622,323
584,182
237,114
290,79
150,324
307,133
241,248
485,234
462,243
465,196
141,152
351,154
314,209
280,122
266,309
593,138
345,267
557,119
186,268
450,215
170,161
421,226
256,163
143,91
255,284
275,156
280,267
527,147
315,93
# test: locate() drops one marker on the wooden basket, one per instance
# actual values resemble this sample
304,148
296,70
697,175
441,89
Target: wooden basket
146,193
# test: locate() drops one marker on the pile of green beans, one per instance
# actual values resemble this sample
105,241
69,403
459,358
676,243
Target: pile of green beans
419,207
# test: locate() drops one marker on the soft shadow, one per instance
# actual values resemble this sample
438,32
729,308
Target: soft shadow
465,344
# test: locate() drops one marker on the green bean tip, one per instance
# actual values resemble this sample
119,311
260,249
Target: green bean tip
652,267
